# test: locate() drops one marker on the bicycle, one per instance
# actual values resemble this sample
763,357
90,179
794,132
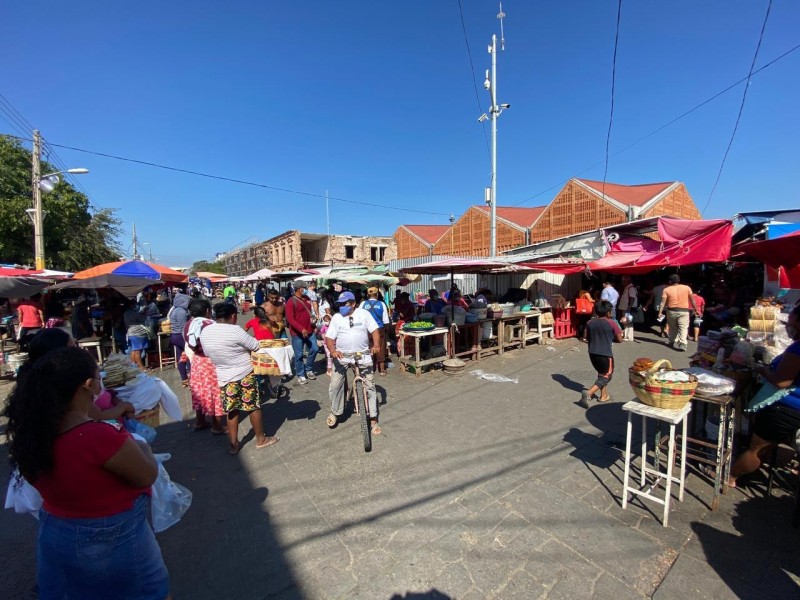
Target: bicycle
358,392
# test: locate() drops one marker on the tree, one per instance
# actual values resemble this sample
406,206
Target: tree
74,238
212,267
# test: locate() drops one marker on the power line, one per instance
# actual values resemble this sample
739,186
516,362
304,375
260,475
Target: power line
667,124
741,107
613,88
22,125
474,81
242,181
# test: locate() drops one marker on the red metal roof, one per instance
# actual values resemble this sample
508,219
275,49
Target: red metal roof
524,217
630,195
429,233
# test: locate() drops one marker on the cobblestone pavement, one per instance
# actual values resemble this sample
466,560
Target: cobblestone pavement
474,490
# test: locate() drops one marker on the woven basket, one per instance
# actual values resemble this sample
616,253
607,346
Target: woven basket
150,417
661,394
279,343
264,364
165,326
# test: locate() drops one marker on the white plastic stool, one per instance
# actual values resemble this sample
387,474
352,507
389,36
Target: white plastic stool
673,417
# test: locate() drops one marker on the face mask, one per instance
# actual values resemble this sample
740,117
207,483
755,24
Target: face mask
345,310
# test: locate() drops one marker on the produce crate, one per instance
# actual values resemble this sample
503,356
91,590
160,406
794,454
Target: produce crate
564,325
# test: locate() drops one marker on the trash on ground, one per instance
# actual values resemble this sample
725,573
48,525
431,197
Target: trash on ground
493,377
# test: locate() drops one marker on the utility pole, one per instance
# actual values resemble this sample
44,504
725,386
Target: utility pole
494,113
135,249
38,214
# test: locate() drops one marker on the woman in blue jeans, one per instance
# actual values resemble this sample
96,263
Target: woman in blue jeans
94,537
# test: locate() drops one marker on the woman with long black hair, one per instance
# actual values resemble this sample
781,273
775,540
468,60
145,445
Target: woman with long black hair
94,537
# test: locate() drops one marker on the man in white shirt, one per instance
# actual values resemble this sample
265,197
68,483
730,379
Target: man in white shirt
610,294
350,332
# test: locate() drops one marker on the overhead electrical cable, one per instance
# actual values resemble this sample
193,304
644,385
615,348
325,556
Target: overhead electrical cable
613,89
474,81
741,107
667,124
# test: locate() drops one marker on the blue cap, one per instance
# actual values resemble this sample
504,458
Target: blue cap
345,297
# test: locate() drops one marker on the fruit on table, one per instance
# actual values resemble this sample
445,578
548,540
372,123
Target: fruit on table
419,324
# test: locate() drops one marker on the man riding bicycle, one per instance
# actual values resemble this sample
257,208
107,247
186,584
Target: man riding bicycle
349,334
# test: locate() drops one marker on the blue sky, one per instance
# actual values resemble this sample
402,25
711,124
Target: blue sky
374,102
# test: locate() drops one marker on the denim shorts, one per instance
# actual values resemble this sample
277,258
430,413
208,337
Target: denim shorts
108,557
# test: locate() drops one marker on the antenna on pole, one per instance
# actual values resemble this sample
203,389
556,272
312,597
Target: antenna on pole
501,15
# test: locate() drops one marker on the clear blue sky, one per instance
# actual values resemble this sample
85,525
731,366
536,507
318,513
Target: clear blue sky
374,101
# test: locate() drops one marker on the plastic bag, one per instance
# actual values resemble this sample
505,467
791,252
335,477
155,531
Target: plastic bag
145,431
23,497
170,500
494,377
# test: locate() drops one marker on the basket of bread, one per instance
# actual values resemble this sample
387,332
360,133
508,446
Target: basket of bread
657,384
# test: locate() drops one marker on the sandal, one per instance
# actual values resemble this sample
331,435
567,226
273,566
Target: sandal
332,421
606,399
376,429
268,442
234,451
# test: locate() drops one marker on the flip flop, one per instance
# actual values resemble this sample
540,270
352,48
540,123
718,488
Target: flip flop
607,399
376,429
270,441
234,452
331,421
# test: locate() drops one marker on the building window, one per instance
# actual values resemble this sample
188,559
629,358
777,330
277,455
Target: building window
381,254
373,253
349,251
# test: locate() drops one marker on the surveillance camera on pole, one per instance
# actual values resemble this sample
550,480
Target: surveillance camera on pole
490,85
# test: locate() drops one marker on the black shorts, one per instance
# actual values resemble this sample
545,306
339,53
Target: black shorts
604,365
777,423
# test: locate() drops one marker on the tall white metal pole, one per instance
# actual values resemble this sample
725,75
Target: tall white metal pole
494,111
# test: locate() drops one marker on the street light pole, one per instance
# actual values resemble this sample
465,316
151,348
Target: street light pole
494,114
38,216
41,183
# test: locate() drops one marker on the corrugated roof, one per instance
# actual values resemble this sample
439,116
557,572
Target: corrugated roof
629,195
524,217
429,233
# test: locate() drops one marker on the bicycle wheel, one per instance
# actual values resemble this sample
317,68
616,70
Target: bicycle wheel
361,398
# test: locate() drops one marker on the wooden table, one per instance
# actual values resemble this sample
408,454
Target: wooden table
723,446
507,332
417,361
93,343
533,327
673,418
164,361
472,333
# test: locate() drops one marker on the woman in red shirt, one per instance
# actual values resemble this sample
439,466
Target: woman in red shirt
260,325
94,537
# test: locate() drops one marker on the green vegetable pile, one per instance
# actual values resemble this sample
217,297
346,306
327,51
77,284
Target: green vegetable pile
419,324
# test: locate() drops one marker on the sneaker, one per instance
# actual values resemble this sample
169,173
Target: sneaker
302,380
310,375
584,401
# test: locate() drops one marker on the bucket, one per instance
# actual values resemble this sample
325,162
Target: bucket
479,312
486,330
15,361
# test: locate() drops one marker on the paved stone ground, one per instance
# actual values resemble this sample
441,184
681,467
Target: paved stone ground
474,490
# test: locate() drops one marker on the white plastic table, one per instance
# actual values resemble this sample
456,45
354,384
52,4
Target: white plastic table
672,417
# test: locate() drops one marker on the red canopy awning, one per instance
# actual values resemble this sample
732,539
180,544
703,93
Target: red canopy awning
782,253
683,242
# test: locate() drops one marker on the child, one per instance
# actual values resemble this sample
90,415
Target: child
601,332
326,321
697,317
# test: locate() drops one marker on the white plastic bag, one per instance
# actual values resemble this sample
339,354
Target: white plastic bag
23,498
170,500
494,377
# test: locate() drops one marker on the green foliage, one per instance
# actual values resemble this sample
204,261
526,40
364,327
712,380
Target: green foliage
212,267
74,238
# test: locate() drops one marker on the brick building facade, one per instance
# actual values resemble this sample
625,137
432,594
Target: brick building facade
581,206
294,250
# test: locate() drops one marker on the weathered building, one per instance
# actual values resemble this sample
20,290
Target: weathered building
418,240
294,250
584,205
